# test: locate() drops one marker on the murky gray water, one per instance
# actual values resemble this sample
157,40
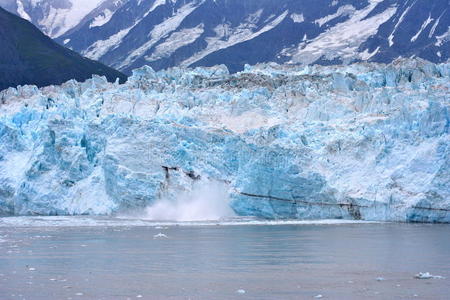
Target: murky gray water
221,262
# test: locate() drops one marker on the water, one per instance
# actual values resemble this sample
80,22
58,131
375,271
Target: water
99,258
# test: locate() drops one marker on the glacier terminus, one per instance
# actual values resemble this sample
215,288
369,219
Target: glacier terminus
364,141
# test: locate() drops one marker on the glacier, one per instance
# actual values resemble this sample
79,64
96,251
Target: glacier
361,142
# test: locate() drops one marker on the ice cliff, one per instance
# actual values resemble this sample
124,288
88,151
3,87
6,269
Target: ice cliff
365,141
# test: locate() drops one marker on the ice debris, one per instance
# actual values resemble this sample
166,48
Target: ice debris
363,141
160,235
427,275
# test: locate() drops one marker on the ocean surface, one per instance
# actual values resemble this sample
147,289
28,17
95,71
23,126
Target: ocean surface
105,258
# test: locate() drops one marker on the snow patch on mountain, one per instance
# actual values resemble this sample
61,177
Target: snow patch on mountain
101,47
58,21
21,11
102,19
160,31
345,10
400,20
433,29
445,37
227,36
424,25
297,18
175,41
366,55
343,40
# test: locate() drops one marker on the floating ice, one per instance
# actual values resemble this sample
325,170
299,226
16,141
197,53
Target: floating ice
240,291
358,142
427,275
160,235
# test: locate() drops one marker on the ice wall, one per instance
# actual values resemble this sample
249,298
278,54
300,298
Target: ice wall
364,141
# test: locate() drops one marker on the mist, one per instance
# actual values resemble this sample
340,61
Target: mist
207,200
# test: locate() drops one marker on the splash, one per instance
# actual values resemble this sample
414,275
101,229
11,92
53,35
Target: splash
206,201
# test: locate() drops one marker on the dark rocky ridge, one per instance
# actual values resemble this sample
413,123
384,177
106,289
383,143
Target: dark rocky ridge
27,56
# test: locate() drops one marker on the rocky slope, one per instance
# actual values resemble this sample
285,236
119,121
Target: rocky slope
29,57
128,34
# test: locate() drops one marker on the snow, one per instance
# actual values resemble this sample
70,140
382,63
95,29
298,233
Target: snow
297,18
160,31
227,36
424,25
358,142
101,47
345,10
102,19
343,39
21,11
156,4
366,55
175,41
441,39
400,20
433,28
58,21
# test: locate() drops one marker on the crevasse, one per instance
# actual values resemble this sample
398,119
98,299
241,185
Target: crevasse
364,141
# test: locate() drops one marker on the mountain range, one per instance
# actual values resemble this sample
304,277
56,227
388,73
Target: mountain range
27,56
126,34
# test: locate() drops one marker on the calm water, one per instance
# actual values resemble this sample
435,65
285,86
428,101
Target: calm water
301,261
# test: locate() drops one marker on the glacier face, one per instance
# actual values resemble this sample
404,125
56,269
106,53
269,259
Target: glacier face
364,141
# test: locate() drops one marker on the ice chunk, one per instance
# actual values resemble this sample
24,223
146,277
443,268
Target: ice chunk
160,235
427,275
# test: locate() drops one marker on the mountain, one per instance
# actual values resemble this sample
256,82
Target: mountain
27,56
364,141
163,33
